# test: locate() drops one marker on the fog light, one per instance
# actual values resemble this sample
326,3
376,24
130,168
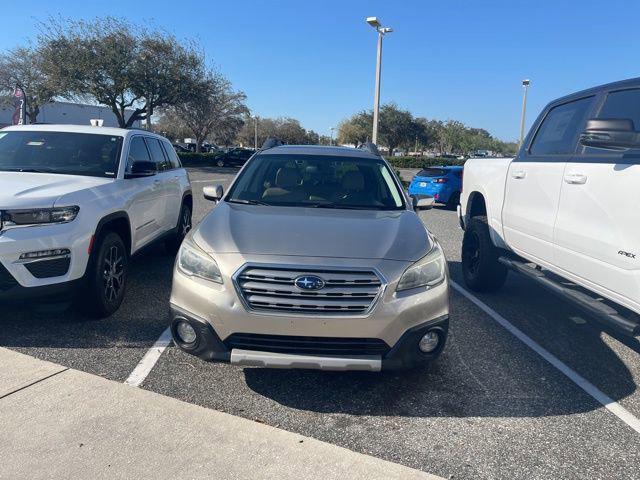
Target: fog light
56,252
185,332
429,342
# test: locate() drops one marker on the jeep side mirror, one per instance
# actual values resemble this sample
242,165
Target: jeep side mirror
422,202
213,192
610,133
142,169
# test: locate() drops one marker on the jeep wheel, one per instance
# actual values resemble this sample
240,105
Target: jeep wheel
107,276
184,225
480,266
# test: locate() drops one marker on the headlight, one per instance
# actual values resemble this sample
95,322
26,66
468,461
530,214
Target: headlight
40,216
195,262
426,272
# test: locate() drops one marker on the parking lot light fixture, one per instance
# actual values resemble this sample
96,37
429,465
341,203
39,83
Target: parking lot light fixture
382,31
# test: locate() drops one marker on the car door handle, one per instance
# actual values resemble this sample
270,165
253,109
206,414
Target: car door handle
519,174
574,178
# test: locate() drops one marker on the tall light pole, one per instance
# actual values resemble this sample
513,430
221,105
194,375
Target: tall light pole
382,31
255,133
525,84
331,138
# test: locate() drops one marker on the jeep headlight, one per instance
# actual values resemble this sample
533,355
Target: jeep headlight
40,216
195,262
429,271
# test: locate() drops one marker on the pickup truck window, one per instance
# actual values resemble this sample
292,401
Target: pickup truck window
622,104
557,134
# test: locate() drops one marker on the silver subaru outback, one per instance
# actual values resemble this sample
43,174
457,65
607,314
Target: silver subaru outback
314,258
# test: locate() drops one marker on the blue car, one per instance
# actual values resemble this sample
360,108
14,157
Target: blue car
444,184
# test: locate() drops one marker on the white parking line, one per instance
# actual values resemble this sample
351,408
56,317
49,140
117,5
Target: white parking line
614,407
149,360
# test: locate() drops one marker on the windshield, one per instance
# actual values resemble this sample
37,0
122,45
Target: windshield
60,152
317,181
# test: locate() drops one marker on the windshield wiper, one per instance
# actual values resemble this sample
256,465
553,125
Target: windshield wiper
248,202
338,206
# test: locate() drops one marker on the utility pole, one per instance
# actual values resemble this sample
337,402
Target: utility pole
255,133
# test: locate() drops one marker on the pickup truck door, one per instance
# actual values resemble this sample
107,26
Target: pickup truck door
534,180
597,230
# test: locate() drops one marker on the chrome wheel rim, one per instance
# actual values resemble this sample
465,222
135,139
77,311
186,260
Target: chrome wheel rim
113,273
186,222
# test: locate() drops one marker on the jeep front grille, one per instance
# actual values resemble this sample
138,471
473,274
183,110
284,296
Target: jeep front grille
273,289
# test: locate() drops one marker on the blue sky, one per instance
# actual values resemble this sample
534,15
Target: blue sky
315,60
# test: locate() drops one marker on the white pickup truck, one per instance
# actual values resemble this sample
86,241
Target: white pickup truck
565,210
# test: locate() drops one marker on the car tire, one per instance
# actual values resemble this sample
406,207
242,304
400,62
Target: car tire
106,276
454,200
173,243
481,269
220,163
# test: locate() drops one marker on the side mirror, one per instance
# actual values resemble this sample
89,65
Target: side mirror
213,192
142,169
610,133
422,202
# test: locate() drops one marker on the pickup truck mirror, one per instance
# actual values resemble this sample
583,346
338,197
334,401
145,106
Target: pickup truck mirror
422,202
213,192
142,169
610,133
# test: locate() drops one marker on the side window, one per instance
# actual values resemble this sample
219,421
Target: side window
157,154
557,134
137,152
622,104
171,154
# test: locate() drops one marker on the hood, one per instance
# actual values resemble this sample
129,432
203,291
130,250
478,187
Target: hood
40,190
312,232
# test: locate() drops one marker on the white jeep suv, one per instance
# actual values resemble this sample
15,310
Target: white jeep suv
77,201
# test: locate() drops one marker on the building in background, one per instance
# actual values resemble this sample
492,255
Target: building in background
68,113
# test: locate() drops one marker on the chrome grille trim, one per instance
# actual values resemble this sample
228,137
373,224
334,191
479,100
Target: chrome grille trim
270,289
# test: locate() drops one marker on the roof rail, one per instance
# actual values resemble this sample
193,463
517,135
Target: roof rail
370,147
271,142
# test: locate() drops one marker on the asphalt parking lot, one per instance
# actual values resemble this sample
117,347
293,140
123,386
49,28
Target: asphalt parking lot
490,407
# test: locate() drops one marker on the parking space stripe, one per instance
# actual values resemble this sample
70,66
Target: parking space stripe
149,360
614,407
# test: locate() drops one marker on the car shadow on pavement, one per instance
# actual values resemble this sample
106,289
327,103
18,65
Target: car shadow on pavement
484,371
139,321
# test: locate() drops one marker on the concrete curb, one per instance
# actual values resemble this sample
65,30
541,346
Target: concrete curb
62,423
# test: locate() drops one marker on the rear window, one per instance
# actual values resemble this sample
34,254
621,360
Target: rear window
432,172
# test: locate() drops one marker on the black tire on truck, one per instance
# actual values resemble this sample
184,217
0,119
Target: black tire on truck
106,276
480,266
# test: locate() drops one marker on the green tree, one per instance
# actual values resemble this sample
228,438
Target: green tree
213,111
119,65
23,67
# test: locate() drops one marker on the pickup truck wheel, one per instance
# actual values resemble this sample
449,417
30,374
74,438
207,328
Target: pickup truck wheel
480,266
107,276
184,225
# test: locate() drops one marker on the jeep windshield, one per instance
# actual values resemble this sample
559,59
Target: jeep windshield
319,181
66,153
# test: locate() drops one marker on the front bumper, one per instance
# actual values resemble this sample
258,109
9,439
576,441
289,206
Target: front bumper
219,315
16,241
403,355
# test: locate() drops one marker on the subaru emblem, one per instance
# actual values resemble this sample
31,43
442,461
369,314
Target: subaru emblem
309,282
